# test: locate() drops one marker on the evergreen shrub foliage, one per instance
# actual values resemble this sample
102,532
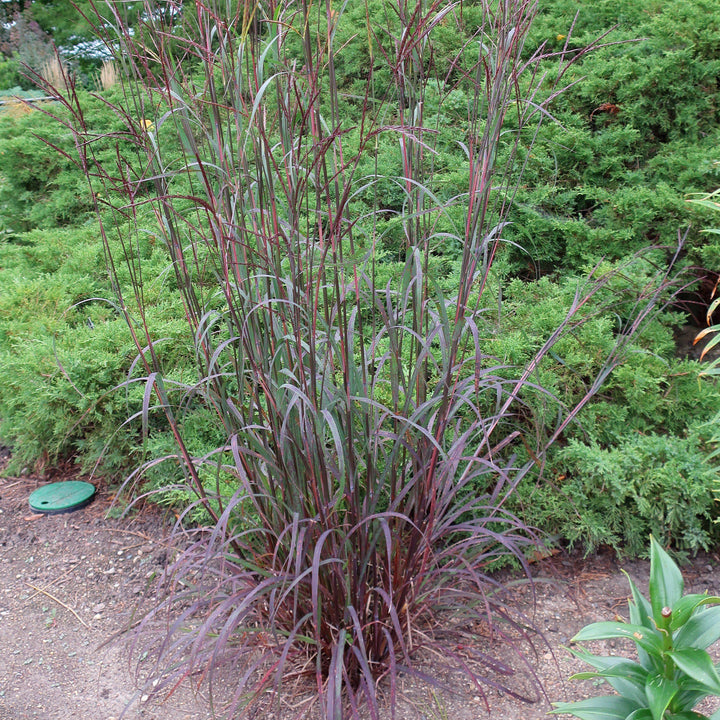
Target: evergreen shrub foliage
42,184
614,496
64,347
638,458
9,74
593,186
638,132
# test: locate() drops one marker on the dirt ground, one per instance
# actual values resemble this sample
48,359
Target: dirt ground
69,582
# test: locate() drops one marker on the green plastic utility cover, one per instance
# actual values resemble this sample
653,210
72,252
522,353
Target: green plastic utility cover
62,497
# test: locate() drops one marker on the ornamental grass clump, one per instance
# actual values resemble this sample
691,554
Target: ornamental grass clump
368,440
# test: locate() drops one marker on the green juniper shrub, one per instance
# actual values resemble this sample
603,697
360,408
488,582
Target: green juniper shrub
637,458
590,196
616,495
10,77
595,184
63,349
635,135
52,409
39,186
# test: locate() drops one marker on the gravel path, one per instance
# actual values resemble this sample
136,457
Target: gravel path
69,582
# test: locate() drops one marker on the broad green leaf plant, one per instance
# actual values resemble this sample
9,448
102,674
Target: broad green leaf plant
674,671
711,201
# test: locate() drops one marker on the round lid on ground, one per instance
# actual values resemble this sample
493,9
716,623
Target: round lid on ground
62,496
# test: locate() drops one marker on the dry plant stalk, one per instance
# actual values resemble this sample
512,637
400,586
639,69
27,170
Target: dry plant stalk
55,73
108,74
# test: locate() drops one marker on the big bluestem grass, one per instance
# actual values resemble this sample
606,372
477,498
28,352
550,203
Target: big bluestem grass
370,439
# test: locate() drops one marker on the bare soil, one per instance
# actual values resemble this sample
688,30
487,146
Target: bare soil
70,582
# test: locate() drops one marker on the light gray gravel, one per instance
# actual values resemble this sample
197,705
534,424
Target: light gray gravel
68,582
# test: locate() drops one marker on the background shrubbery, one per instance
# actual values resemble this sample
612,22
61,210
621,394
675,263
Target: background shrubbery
63,348
636,134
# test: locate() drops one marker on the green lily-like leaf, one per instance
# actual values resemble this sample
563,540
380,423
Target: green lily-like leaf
700,631
640,614
686,606
599,662
666,581
640,609
640,714
715,715
697,664
659,692
690,693
689,715
630,671
606,707
610,662
626,677
647,638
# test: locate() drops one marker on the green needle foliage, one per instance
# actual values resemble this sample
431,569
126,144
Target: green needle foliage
369,440
638,131
671,632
